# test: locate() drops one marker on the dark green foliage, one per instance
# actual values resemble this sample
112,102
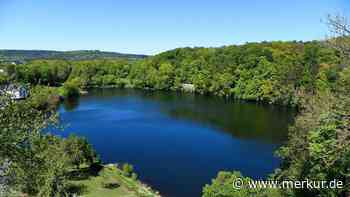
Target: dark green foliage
273,72
111,185
3,79
52,73
79,151
101,73
39,162
71,88
319,145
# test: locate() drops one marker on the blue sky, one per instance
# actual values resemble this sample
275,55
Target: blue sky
149,27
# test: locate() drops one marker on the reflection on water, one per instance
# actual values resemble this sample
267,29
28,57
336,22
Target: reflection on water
178,142
71,103
241,119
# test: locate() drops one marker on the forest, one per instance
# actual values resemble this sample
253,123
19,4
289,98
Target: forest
271,72
312,76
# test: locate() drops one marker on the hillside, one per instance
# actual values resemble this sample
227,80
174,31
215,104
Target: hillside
271,72
26,55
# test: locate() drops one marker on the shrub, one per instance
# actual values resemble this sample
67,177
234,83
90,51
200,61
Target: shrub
71,88
128,169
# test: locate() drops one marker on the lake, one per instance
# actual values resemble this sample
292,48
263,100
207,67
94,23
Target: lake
178,142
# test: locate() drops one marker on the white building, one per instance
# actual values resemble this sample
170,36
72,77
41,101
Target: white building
15,92
188,87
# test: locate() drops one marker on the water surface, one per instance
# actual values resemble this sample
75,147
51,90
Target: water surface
178,142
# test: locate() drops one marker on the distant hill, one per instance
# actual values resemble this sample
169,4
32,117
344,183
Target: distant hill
26,55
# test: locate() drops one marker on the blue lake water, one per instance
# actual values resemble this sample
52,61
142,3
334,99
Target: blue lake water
178,142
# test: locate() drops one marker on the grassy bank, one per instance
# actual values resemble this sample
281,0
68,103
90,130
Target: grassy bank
109,181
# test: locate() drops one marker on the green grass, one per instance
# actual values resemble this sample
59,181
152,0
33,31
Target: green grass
109,182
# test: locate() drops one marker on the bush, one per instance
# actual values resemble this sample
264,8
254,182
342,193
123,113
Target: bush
44,98
134,176
71,88
111,185
3,79
79,151
128,169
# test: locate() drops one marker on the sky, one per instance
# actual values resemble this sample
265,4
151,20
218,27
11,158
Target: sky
152,26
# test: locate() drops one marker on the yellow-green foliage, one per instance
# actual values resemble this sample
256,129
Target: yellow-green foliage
223,186
272,72
71,88
43,97
319,146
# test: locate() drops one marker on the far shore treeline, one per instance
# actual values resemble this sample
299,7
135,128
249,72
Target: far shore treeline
272,72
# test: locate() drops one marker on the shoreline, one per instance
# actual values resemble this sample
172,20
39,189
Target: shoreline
111,181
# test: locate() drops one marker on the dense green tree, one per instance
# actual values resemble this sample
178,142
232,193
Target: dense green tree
79,151
71,88
43,169
37,161
165,76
